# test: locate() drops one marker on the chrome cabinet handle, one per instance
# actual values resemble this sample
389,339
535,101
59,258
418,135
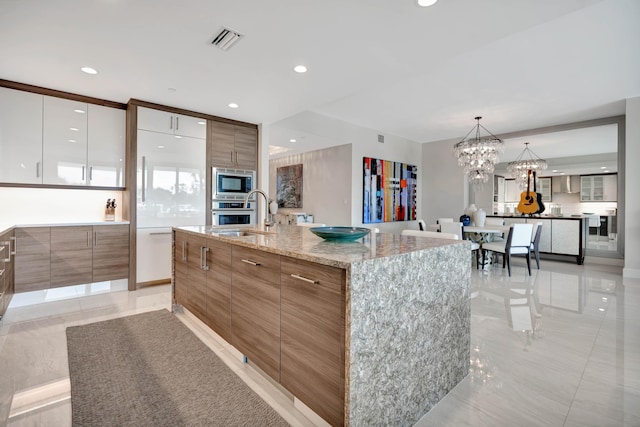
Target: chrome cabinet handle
88,239
203,258
37,169
304,279
248,261
95,238
177,122
184,250
2,250
83,170
15,245
90,173
170,122
231,152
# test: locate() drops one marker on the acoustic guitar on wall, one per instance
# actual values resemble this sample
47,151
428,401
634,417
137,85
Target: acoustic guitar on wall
528,199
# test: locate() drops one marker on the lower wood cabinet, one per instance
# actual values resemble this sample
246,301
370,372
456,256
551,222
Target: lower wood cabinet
48,257
255,307
180,268
218,288
198,265
312,340
71,255
110,252
33,259
7,242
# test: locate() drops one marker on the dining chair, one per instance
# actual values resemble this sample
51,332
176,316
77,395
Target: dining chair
456,228
535,242
518,243
443,220
435,234
495,221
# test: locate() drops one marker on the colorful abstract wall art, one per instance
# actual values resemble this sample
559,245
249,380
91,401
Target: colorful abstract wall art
389,191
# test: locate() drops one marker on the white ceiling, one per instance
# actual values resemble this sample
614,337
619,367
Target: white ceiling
388,65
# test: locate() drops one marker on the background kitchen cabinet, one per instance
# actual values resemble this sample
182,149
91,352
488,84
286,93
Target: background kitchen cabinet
110,252
512,191
21,137
544,187
71,255
498,189
106,146
597,188
171,191
64,141
7,245
171,123
33,259
255,307
312,330
232,146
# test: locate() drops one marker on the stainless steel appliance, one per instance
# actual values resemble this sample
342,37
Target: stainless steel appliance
231,183
229,189
232,212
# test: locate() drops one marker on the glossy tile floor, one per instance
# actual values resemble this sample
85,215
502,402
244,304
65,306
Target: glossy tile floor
558,348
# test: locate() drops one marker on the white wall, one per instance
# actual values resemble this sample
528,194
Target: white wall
444,187
632,199
363,143
43,205
326,182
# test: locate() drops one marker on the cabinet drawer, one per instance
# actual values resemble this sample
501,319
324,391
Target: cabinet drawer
325,276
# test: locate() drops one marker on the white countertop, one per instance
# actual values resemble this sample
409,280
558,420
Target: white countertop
7,226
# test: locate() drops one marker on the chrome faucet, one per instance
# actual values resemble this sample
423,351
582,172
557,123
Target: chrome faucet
267,222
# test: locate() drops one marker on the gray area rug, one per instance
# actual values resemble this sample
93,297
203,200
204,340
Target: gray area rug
151,370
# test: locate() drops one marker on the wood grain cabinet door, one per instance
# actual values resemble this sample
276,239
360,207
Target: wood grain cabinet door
110,252
255,307
313,331
32,263
221,144
219,288
246,147
71,255
198,265
180,268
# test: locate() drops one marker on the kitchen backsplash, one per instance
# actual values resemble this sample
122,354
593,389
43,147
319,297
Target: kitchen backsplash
568,204
43,205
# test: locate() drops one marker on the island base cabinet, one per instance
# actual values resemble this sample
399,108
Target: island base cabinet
218,288
180,268
197,277
312,341
255,307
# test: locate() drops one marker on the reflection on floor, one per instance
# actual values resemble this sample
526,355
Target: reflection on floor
558,348
604,243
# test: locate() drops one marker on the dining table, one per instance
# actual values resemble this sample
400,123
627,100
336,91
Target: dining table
483,235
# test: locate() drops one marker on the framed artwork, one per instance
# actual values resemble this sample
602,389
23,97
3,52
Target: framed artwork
390,190
289,186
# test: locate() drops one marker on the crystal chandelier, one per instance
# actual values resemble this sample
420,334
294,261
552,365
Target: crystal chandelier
527,160
479,154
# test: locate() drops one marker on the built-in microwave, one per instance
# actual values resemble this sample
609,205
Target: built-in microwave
233,216
231,183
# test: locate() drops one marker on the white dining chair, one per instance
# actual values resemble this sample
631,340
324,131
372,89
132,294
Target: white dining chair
495,221
535,242
435,234
518,243
422,225
456,228
443,220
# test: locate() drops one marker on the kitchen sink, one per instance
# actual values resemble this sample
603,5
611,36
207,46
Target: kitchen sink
232,233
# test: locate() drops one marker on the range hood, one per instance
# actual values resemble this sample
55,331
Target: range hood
565,184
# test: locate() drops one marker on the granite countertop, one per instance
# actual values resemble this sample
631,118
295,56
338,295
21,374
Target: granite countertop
300,242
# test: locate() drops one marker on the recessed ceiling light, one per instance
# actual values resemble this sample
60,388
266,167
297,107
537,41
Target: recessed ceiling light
72,140
74,129
78,111
89,70
178,137
561,173
292,140
202,123
603,167
426,3
606,170
300,69
233,105
555,171
160,146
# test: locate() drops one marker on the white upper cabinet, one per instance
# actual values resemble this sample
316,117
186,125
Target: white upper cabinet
598,188
171,123
106,146
20,137
64,141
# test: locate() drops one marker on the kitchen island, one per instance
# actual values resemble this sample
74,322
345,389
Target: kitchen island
371,332
563,236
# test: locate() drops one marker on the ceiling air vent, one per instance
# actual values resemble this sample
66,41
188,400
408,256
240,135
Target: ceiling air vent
381,138
226,38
